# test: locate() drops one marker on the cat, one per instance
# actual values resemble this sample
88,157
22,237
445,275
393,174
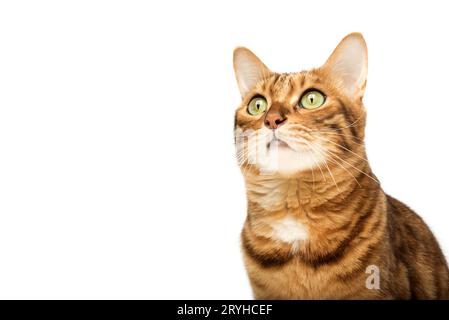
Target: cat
319,225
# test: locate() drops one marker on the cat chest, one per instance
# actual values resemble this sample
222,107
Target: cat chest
288,230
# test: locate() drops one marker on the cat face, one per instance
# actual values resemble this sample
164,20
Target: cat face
296,122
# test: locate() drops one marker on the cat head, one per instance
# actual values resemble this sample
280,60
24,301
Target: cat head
288,123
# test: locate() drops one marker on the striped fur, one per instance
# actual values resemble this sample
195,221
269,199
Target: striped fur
349,222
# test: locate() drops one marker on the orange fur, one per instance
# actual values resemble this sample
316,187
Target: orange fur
350,222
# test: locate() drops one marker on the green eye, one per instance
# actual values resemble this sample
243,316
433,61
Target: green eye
257,105
312,100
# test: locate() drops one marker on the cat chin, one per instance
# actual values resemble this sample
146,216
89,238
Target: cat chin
285,161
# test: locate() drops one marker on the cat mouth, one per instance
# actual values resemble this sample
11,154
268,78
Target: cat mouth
277,143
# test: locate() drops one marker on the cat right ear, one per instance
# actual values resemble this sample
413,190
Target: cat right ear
349,63
249,69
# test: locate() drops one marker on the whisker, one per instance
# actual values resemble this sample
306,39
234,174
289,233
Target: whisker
328,169
336,162
317,163
340,134
339,145
352,125
363,172
323,153
243,154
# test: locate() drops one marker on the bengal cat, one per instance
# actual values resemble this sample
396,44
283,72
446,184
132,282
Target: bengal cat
319,225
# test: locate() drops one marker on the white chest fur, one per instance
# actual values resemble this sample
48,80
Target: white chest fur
288,230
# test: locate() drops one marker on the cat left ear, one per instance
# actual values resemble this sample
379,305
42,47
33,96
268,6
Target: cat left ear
249,69
349,64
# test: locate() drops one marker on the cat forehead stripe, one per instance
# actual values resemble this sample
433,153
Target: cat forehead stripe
281,85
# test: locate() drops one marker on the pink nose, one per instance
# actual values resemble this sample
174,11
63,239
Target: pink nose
274,120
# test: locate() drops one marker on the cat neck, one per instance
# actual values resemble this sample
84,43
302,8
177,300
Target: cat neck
328,187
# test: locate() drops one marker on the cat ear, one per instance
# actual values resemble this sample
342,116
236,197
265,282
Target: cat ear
349,64
248,69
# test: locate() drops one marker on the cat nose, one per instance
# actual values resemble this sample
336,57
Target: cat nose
274,120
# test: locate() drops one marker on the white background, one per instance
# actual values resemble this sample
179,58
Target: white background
117,169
